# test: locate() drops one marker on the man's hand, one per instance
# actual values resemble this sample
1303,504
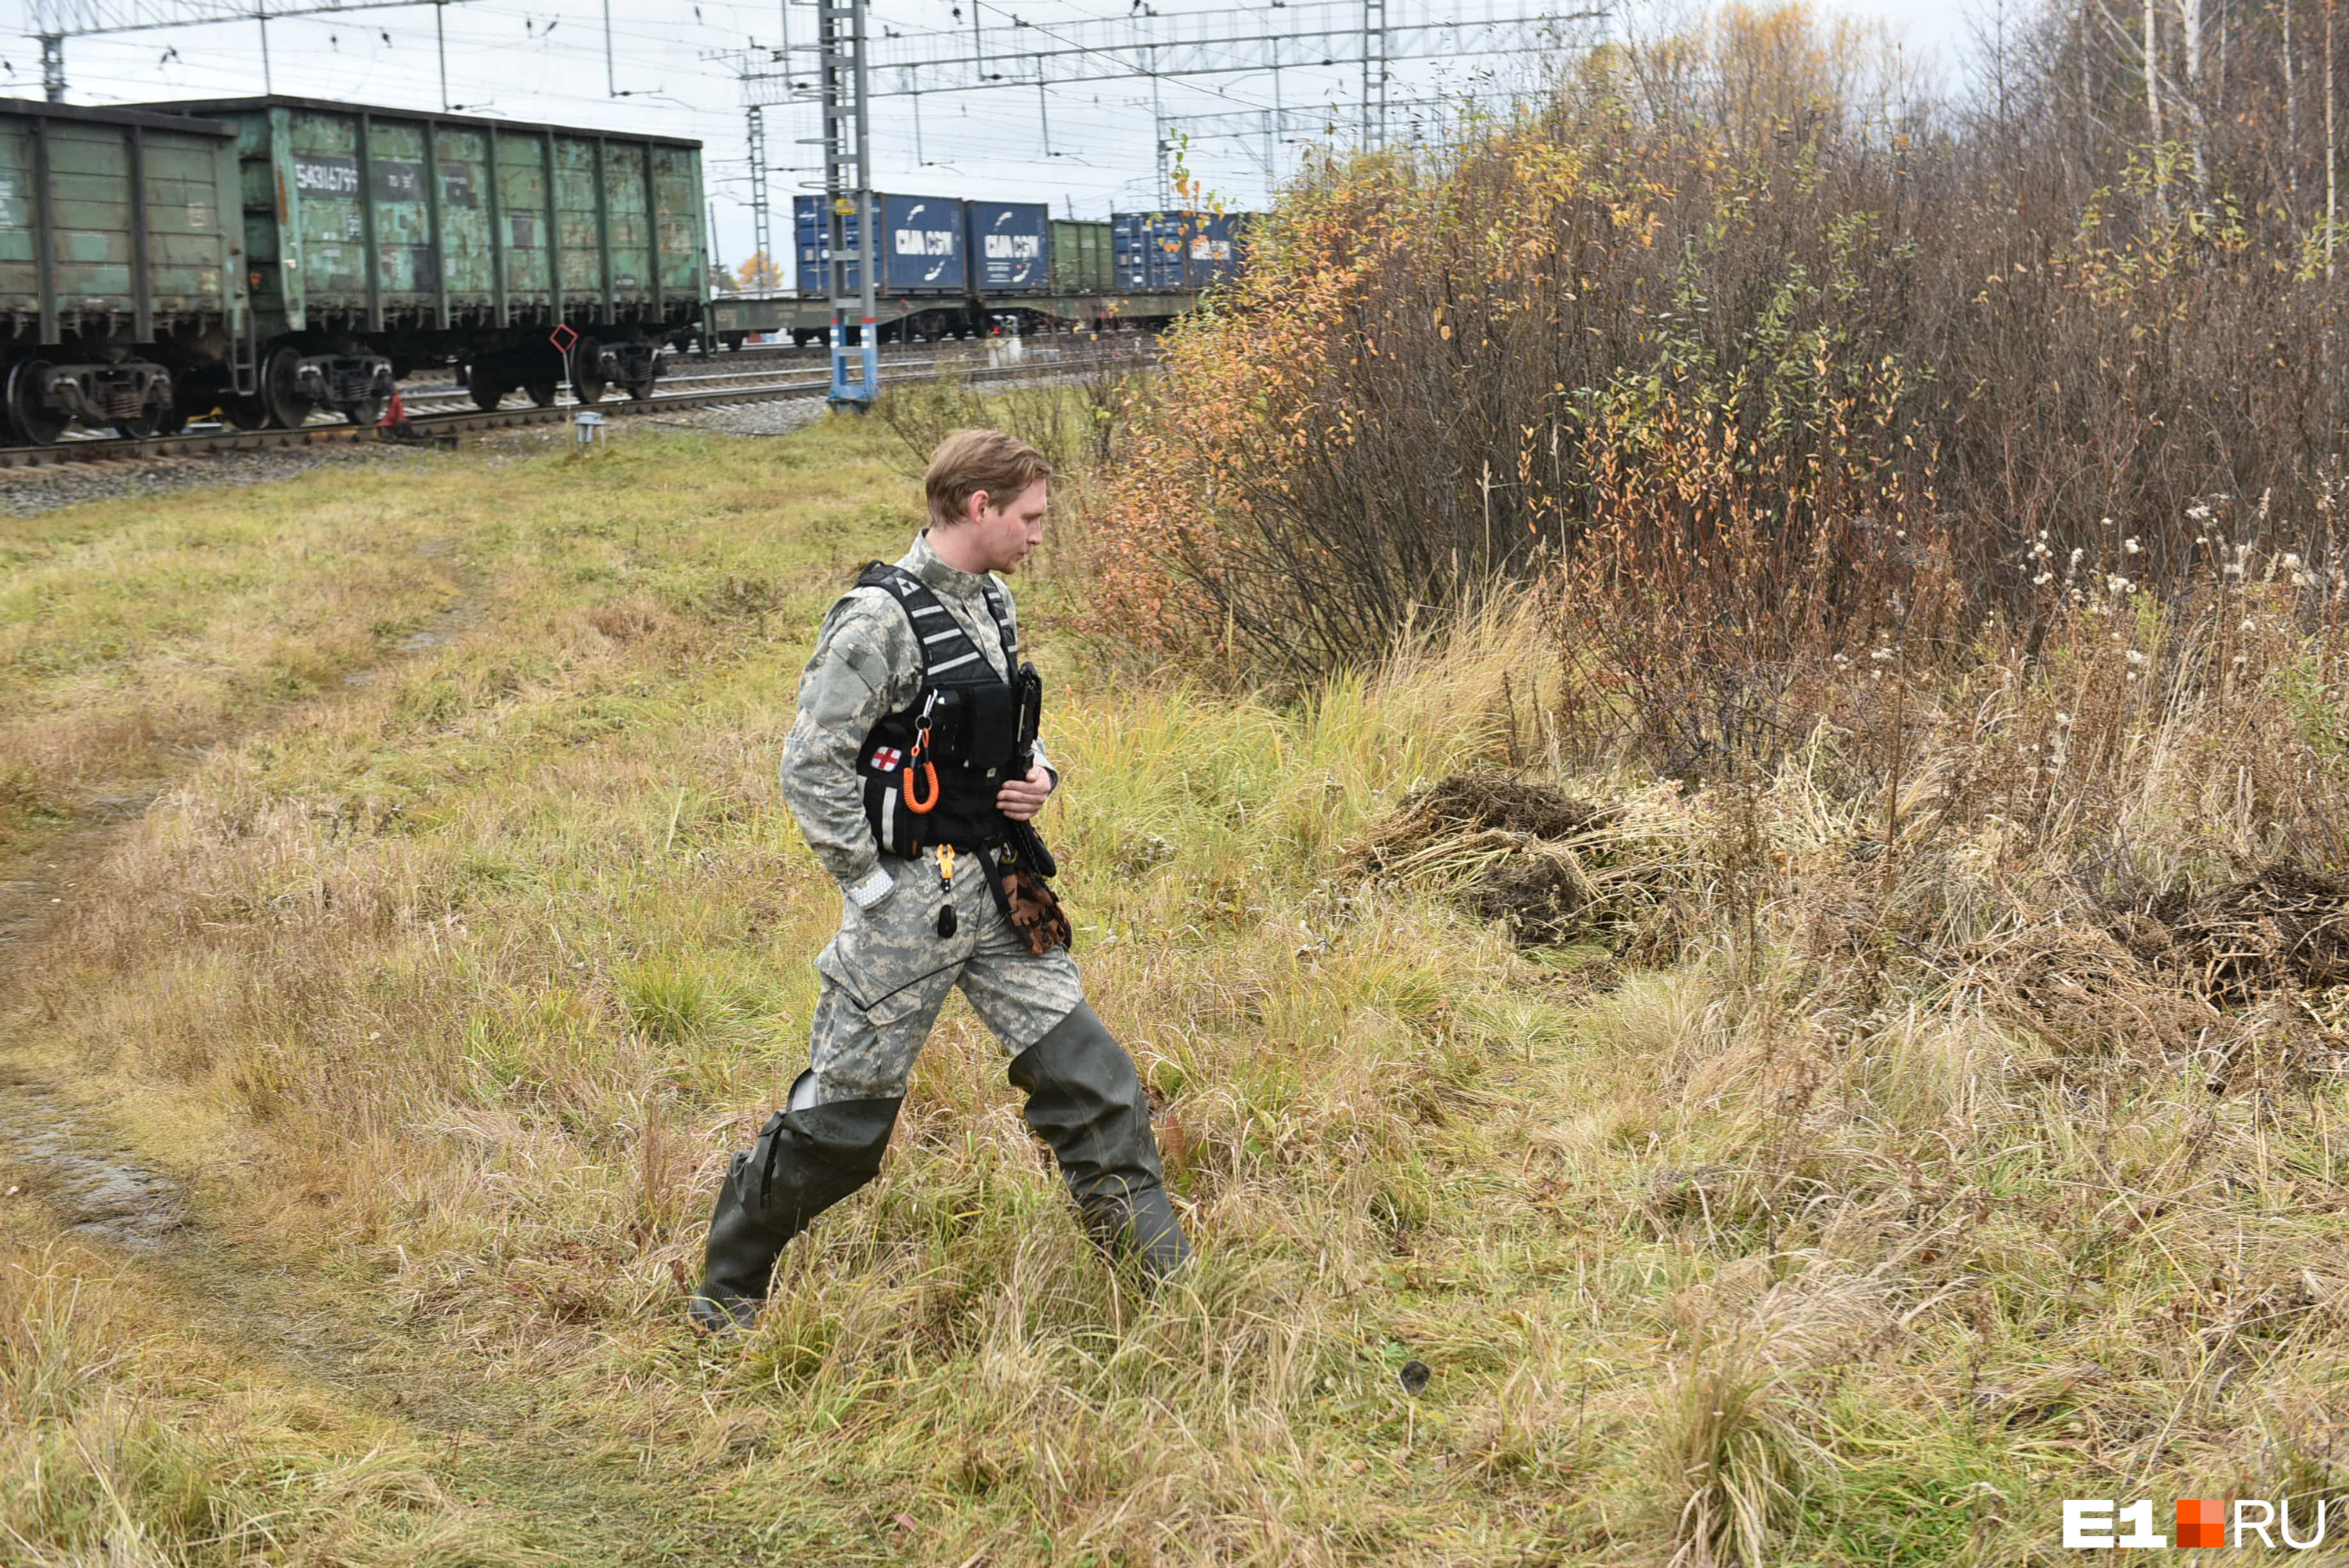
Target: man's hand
1022,799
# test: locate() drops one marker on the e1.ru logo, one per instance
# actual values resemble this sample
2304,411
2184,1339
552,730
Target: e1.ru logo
2094,1522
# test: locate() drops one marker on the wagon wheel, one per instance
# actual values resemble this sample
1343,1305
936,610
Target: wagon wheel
588,381
642,391
35,425
244,413
366,411
486,389
542,392
281,390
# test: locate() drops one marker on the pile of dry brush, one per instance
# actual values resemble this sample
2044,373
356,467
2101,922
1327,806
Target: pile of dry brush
1549,868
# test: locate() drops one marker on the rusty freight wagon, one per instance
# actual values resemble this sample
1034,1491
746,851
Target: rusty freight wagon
121,281
380,240
277,257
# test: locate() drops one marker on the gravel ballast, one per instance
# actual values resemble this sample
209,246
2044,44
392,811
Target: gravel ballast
26,492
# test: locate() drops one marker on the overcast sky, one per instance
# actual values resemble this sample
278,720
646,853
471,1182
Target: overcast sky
1087,149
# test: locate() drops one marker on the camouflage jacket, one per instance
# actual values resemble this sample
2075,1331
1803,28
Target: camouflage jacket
867,665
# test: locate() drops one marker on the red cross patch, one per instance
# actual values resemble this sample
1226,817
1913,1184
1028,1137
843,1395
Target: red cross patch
886,759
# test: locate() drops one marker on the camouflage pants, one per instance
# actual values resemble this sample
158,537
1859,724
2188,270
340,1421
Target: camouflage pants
888,973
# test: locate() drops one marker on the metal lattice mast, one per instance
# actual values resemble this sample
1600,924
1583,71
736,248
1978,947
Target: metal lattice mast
762,226
848,195
1374,74
1158,117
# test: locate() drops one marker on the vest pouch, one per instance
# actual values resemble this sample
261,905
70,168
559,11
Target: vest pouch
990,729
895,828
947,712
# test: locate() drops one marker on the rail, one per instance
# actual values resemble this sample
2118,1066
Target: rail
111,449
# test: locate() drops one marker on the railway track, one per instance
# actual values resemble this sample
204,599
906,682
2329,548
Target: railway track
456,421
756,360
417,395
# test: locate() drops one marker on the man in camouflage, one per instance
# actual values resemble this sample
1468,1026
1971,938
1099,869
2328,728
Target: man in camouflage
915,925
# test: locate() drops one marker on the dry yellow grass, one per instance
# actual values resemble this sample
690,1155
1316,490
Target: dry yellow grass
1800,1234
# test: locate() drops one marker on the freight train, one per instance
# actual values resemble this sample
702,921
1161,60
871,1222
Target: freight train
957,268
274,256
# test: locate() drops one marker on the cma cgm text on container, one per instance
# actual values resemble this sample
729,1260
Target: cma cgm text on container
924,251
1010,250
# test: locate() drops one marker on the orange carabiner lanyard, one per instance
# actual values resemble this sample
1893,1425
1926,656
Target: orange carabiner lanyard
920,806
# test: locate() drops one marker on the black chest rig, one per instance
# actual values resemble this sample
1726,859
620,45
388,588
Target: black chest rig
930,771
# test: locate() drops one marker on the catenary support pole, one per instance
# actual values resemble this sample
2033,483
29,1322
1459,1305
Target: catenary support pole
845,95
871,335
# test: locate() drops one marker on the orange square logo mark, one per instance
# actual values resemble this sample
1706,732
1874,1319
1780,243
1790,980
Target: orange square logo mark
2202,1521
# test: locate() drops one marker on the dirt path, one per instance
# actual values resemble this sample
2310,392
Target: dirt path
84,1169
68,1156
541,1477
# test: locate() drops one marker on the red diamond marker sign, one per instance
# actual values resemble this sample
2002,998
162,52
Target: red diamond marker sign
562,337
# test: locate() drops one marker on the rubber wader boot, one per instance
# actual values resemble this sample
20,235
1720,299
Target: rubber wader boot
1085,1099
805,1160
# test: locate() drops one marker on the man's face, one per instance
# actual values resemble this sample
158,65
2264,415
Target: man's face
1005,534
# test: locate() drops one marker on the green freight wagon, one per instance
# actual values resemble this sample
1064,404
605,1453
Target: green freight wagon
121,275
380,240
1081,258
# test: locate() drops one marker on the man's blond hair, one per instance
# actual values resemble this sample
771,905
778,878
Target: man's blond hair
969,461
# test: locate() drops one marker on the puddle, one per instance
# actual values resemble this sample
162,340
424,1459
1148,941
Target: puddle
116,808
66,1158
104,1194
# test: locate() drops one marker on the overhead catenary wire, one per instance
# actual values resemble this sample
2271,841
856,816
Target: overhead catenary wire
544,59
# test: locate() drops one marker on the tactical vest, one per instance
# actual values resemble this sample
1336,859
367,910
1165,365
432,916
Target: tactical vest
931,770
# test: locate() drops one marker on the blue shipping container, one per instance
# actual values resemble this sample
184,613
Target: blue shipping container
811,231
1212,247
1009,251
925,252
1146,251
922,254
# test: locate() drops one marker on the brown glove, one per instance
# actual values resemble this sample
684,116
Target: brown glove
1028,901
